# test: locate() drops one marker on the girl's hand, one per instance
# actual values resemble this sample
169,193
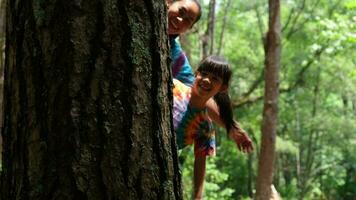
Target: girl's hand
240,137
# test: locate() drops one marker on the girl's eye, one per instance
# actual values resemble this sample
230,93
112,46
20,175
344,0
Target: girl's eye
203,73
215,78
182,11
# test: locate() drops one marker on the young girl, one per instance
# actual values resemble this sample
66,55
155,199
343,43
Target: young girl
191,120
182,15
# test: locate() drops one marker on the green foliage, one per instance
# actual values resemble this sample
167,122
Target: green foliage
289,191
234,164
187,155
286,146
350,4
316,144
213,181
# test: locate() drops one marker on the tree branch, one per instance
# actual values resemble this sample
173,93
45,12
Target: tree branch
260,22
255,84
293,29
247,100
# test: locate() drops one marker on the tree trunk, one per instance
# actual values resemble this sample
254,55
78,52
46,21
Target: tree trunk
87,102
270,110
310,146
223,25
2,58
2,18
208,37
249,175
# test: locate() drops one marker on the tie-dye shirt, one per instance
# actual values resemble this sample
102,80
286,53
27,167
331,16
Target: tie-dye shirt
181,68
191,125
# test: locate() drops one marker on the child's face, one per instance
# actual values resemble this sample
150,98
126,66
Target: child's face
208,85
181,16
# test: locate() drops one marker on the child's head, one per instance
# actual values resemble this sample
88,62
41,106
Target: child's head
182,15
212,77
218,66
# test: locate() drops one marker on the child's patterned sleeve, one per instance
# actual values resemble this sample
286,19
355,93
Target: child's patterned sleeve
181,68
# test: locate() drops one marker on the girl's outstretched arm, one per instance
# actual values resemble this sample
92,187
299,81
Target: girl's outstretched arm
213,111
240,137
237,134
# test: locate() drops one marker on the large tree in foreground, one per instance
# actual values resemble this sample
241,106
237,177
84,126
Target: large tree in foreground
270,108
87,107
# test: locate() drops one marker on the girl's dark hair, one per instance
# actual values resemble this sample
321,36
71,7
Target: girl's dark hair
220,67
200,11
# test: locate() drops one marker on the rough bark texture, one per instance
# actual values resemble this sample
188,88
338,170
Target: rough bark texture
270,110
2,63
87,102
2,18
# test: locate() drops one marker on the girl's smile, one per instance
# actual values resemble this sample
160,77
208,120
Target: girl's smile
207,84
181,16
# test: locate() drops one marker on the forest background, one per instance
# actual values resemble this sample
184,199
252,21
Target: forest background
316,151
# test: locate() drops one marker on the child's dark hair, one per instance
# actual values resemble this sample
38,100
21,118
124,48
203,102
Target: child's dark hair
220,67
200,11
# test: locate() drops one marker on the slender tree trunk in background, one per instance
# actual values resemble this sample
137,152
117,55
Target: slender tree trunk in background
277,170
250,174
87,102
270,110
345,102
208,37
311,146
259,20
286,171
212,26
221,38
298,132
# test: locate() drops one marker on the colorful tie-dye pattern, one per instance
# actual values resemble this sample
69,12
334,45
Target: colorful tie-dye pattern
191,125
181,68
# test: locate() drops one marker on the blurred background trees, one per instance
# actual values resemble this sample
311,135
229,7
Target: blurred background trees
315,151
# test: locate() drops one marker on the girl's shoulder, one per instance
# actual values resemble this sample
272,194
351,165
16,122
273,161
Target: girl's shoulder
178,86
181,94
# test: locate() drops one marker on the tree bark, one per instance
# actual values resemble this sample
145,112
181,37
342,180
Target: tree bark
249,175
270,110
2,18
87,102
2,58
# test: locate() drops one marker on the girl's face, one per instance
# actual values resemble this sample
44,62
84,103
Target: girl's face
181,16
207,85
